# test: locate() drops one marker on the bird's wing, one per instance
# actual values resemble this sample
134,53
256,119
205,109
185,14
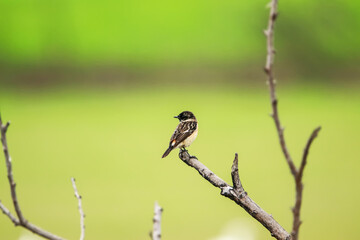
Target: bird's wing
183,130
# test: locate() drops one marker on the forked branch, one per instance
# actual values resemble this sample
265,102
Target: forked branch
19,219
237,194
296,172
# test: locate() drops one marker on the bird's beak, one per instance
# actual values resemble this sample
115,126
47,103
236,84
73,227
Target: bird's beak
176,116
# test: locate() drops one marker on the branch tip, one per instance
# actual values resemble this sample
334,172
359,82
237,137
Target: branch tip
155,234
312,137
8,213
5,128
235,175
82,214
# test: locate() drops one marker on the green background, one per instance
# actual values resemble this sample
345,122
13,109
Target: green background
91,89
112,143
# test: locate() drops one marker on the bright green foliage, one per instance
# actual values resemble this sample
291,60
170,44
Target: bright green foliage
147,32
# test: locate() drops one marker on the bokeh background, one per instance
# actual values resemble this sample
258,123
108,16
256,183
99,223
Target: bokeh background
91,87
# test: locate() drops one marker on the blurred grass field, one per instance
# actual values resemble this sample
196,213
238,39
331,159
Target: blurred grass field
91,89
111,141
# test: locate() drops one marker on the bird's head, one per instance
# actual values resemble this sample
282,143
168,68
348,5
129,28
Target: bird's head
185,116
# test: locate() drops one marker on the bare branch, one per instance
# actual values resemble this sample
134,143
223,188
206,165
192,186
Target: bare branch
269,33
242,199
9,171
297,173
235,176
299,186
21,221
8,213
156,233
82,215
306,152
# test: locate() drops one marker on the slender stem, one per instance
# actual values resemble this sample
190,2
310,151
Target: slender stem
269,33
306,151
299,186
156,233
9,171
82,215
297,173
21,221
8,213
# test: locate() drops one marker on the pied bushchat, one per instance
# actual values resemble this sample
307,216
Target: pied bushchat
185,133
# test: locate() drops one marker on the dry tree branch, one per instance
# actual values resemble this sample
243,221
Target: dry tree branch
235,175
82,215
156,232
296,172
306,152
299,186
237,194
8,213
20,219
269,33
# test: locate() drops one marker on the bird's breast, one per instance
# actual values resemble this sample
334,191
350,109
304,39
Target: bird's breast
187,142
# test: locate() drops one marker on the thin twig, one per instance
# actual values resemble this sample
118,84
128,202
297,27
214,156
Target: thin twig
156,232
12,183
297,173
82,215
8,213
240,198
21,221
269,33
299,186
306,152
235,175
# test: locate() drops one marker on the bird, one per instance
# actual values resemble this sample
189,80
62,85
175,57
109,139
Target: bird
185,133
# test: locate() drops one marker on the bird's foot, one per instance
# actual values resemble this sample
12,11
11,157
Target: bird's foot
192,156
184,154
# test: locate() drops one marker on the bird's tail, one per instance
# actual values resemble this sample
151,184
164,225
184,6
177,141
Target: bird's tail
167,152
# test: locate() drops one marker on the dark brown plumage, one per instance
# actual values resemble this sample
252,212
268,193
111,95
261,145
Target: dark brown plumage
185,133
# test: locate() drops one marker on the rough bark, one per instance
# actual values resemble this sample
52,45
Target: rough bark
237,194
